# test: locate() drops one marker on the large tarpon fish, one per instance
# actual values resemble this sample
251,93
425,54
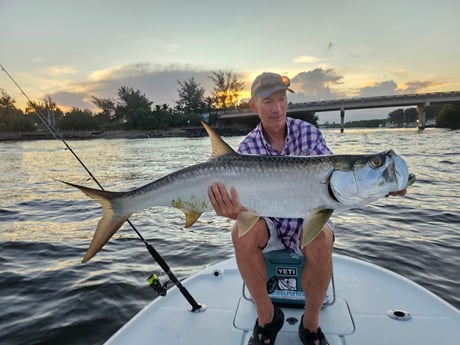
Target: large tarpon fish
311,188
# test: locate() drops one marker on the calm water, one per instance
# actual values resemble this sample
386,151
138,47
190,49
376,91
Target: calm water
49,297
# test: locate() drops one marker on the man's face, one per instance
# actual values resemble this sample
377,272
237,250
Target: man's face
272,110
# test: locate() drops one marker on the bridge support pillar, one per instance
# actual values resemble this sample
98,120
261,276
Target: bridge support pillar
342,120
421,116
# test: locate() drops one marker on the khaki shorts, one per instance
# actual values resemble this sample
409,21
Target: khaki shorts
274,240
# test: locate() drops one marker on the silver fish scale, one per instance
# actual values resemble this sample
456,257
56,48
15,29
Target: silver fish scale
264,184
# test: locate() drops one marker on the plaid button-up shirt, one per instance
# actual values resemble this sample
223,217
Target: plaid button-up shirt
302,139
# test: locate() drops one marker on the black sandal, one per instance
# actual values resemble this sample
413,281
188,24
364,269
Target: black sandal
309,338
266,335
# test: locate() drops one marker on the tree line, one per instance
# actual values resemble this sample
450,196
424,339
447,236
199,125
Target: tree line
131,110
444,115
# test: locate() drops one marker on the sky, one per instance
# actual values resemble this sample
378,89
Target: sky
72,50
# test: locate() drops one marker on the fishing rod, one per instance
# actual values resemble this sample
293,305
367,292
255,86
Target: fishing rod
153,280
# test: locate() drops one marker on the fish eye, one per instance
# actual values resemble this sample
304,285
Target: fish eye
376,162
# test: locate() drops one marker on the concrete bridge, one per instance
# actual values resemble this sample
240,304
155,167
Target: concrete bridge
420,100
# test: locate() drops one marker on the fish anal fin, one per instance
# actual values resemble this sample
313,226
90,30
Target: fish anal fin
219,147
107,226
190,217
246,220
313,227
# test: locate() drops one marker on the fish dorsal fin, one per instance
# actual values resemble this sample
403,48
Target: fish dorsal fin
219,147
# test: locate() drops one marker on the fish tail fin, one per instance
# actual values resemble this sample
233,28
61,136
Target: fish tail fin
112,219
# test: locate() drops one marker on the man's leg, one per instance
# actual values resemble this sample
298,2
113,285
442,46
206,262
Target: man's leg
251,264
316,274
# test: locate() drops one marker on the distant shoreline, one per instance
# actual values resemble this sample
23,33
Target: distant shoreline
119,134
184,132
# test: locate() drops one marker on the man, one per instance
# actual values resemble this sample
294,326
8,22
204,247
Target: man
277,134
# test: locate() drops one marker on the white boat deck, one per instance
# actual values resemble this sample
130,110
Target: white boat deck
365,294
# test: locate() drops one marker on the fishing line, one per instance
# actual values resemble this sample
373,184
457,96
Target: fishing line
156,256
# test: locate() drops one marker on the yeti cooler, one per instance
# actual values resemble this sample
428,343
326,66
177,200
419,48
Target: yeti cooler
284,271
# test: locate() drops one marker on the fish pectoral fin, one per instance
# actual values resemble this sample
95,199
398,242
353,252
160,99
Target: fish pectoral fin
190,217
246,220
313,227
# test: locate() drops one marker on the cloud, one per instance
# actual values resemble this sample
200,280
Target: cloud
383,88
122,71
70,100
158,83
62,70
104,74
305,59
390,87
316,84
418,86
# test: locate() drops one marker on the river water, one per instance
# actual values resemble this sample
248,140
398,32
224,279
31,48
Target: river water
48,297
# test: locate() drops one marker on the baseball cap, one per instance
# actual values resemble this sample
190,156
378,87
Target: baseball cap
267,83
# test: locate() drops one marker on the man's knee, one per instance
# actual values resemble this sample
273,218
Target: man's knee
320,249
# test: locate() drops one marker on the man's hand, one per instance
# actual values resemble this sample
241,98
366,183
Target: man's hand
225,204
